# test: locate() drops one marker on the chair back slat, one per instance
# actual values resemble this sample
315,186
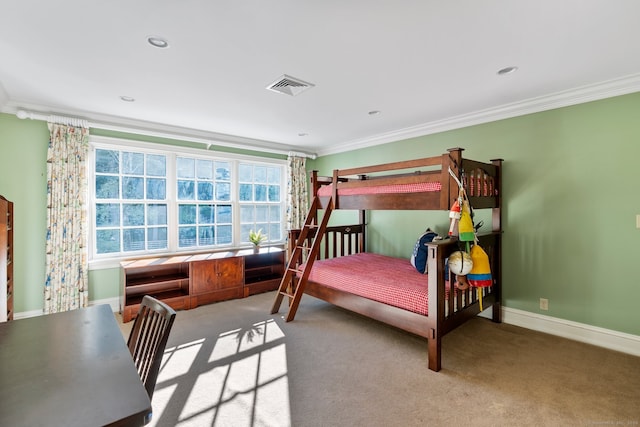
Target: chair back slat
148,339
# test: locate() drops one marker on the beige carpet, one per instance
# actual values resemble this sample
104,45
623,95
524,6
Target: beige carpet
234,364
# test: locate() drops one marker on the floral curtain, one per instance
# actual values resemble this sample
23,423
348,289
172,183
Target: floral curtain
66,282
297,193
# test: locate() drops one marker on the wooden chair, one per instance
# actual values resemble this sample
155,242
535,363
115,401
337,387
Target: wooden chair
148,339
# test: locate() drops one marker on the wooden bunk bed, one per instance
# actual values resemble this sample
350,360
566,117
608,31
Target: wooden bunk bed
395,293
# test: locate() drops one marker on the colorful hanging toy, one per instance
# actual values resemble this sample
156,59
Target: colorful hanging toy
472,267
465,227
480,274
454,216
460,264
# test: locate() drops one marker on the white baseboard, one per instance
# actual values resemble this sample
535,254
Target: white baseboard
113,302
25,314
613,340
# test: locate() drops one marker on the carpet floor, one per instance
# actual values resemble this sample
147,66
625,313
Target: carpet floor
234,364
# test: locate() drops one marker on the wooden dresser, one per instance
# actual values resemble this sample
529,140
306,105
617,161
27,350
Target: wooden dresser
187,281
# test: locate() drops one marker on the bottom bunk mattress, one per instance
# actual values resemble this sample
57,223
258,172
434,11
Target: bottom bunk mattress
389,280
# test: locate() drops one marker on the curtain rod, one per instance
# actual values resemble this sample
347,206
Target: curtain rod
23,114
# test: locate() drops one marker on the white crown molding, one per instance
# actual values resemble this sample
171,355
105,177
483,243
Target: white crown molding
580,95
139,127
4,97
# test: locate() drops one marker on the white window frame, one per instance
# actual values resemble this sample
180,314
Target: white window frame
99,261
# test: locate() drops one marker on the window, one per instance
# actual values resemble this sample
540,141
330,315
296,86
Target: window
204,202
260,200
177,199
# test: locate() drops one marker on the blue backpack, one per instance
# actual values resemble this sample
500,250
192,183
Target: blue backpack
419,256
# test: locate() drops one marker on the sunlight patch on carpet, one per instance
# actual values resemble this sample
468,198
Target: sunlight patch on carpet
238,379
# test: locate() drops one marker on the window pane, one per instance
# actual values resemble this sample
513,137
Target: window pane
156,165
274,193
157,215
206,235
244,231
186,236
274,213
186,190
261,193
187,214
132,188
107,187
223,171
132,214
274,231
264,227
224,214
205,191
247,214
262,213
107,161
132,163
260,174
206,214
246,192
156,189
223,191
224,234
157,238
133,239
245,173
273,175
107,241
107,214
185,167
204,169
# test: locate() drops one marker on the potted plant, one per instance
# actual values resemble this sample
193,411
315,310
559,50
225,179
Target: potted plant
257,237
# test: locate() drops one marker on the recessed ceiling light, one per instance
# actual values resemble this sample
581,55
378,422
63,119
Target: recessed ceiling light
159,42
507,70
374,112
303,134
127,98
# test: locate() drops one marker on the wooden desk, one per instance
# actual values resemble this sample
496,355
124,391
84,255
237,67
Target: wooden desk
69,369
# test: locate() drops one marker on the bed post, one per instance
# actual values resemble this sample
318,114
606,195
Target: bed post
363,240
436,302
496,220
453,160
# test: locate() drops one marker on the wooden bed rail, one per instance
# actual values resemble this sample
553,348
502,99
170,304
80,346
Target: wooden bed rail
338,240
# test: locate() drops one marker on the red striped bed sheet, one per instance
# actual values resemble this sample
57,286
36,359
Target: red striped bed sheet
393,281
423,187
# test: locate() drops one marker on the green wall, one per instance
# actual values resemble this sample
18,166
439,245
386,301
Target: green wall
23,169
23,180
569,216
569,207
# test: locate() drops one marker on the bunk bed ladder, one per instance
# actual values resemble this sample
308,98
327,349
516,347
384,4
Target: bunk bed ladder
291,285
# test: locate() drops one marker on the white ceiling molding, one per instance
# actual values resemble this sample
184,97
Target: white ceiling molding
137,127
580,95
4,97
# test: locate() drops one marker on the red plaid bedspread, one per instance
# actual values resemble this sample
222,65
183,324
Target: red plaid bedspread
422,187
385,279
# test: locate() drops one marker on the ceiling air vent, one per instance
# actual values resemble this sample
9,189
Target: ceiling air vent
289,85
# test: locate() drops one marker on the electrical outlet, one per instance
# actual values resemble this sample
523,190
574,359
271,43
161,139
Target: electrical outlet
544,304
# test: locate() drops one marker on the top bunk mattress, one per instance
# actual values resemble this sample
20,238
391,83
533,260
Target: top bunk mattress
423,187
392,281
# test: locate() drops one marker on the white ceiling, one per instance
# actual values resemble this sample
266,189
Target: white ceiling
425,65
